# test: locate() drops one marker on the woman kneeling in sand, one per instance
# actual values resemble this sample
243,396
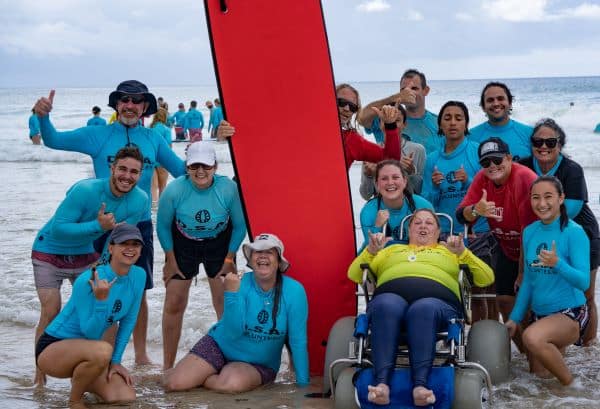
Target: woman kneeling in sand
262,310
71,346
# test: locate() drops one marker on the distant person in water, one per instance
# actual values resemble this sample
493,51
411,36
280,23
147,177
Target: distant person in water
597,129
96,119
34,129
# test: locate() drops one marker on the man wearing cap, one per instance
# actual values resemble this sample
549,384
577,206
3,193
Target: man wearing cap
177,120
63,248
132,101
500,193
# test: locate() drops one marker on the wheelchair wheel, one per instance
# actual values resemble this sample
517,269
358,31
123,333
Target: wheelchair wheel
344,396
340,336
470,391
489,345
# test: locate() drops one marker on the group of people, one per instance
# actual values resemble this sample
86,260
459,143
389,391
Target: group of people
101,239
509,183
514,190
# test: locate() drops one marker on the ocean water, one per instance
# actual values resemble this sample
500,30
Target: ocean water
35,179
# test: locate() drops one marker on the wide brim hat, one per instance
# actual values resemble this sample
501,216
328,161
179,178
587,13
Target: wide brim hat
133,87
266,241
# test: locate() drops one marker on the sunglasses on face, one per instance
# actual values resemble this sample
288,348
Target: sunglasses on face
196,166
136,99
486,162
539,142
341,102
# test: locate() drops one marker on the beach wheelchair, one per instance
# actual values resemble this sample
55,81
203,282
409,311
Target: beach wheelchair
464,369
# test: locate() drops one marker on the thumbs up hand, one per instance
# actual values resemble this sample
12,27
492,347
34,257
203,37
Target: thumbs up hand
106,220
43,106
487,208
460,175
437,177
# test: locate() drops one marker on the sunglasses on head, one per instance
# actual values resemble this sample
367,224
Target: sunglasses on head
341,102
486,162
136,99
539,142
196,166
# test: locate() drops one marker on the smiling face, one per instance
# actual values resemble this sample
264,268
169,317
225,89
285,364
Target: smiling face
126,253
130,112
344,111
545,155
201,175
496,105
499,174
390,183
265,264
125,174
546,201
423,229
453,123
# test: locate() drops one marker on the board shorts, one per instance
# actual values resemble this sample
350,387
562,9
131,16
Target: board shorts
190,253
208,349
506,272
179,133
44,341
50,270
195,134
578,314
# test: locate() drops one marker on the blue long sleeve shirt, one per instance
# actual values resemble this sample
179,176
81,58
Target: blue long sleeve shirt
193,120
164,131
245,332
200,213
34,125
368,214
216,116
74,226
86,317
96,121
446,196
516,135
177,118
551,289
103,142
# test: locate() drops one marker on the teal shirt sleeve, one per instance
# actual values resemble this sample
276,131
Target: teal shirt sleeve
166,214
233,314
368,214
84,140
237,219
90,311
127,323
297,332
577,273
573,206
67,219
168,159
34,125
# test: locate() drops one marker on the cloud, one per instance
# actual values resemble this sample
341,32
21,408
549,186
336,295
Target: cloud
373,6
414,15
536,11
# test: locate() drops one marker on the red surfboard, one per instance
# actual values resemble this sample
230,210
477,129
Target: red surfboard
276,85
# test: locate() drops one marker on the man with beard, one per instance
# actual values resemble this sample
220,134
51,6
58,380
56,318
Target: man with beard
64,247
132,101
421,125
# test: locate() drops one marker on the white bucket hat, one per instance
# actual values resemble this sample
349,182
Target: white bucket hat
265,241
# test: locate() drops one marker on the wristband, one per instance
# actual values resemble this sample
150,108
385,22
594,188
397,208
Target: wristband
474,212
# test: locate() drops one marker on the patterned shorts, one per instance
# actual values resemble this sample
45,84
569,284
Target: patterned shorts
578,314
209,350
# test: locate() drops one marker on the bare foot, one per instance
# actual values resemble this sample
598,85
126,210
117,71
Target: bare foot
423,396
143,360
77,405
39,379
379,395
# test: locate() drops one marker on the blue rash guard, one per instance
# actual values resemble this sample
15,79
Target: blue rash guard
216,116
516,135
200,213
163,131
34,125
103,142
193,120
74,227
96,121
86,317
446,196
245,332
424,130
177,118
551,289
368,214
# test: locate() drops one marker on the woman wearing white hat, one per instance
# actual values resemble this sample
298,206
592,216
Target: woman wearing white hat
263,310
200,221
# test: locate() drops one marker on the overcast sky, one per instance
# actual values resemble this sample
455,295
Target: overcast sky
57,43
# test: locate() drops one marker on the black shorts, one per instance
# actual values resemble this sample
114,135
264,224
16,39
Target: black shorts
594,254
43,342
190,253
505,271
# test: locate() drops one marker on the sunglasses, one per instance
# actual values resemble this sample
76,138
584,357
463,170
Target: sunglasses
136,99
486,162
539,142
196,166
341,102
